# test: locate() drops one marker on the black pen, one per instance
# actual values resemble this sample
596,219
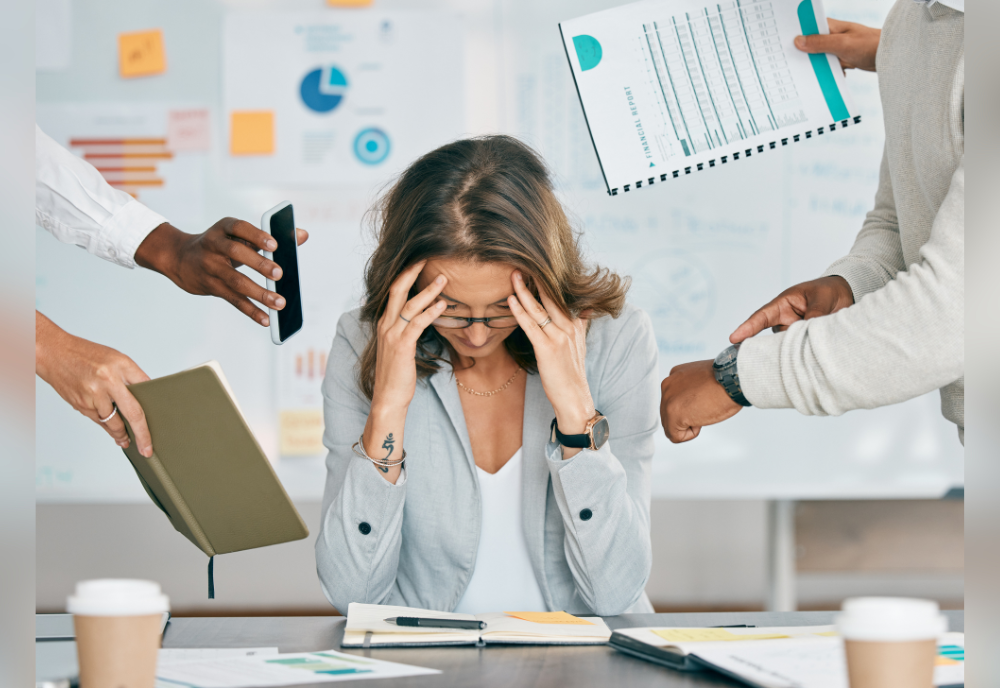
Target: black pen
474,625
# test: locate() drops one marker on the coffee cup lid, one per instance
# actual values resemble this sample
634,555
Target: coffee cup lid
890,619
117,597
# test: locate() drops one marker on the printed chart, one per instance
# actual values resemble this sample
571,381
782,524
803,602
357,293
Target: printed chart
281,670
673,87
719,75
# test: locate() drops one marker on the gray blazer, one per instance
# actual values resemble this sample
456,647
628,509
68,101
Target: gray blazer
586,519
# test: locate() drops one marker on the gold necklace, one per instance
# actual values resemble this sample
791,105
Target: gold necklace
495,391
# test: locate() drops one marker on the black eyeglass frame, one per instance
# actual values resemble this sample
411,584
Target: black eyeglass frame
470,321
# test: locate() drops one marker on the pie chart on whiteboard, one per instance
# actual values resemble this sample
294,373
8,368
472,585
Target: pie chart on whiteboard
323,88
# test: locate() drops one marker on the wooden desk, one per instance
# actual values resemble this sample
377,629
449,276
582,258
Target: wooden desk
499,666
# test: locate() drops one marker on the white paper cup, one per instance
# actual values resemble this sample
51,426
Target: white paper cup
117,631
890,642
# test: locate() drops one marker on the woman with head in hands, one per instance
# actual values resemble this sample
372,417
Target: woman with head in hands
490,408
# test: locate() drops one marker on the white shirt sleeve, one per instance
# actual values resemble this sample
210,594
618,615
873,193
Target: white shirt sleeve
75,204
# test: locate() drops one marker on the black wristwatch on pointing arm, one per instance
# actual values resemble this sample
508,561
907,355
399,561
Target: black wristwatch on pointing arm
728,376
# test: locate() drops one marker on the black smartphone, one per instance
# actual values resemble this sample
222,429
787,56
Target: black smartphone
279,222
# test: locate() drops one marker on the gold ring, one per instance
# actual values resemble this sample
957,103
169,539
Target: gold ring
542,325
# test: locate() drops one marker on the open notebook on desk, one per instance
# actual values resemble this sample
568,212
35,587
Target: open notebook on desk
366,627
674,647
773,657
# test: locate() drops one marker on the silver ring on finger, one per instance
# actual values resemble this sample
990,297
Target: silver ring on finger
542,325
114,410
404,319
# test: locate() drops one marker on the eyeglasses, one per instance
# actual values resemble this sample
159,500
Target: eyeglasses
457,322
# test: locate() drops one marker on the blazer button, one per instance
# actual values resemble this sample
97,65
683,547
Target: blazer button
586,514
365,528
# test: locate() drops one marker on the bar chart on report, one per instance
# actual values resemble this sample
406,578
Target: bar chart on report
717,75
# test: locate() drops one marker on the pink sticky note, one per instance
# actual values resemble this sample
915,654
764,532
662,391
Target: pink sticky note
188,130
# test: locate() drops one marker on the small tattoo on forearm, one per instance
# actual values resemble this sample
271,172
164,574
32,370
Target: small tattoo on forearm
388,444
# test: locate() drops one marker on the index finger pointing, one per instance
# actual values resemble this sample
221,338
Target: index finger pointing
757,322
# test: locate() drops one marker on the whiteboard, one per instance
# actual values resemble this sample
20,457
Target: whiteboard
704,252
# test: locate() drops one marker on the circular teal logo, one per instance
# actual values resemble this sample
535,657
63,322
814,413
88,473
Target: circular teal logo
371,146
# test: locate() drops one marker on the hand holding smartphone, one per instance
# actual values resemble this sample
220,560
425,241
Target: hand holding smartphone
279,222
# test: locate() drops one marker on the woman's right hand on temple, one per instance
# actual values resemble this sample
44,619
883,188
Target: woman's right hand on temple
399,328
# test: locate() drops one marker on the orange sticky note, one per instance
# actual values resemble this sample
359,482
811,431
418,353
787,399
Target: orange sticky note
141,53
561,618
251,132
348,3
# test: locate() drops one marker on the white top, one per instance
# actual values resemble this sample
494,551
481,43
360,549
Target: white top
503,580
75,204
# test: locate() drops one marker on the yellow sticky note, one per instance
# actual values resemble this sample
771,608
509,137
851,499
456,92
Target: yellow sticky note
300,432
141,53
945,661
561,618
251,132
828,634
701,635
348,3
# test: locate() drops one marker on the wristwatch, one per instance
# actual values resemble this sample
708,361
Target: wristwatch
726,374
594,436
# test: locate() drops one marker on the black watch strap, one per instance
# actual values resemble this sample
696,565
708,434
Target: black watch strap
572,441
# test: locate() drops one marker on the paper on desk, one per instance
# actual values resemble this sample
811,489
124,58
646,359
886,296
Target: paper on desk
696,635
560,618
281,670
172,655
809,662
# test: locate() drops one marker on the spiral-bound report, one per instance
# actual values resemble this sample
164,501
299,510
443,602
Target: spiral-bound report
671,87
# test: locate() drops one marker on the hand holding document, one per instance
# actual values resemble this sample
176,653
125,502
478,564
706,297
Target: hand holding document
674,86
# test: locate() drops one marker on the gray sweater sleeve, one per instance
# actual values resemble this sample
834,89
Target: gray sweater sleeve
877,254
357,550
897,342
603,496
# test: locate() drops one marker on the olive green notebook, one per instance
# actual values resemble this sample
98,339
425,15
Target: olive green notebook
207,472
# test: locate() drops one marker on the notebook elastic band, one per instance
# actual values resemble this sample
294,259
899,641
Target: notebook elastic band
211,578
